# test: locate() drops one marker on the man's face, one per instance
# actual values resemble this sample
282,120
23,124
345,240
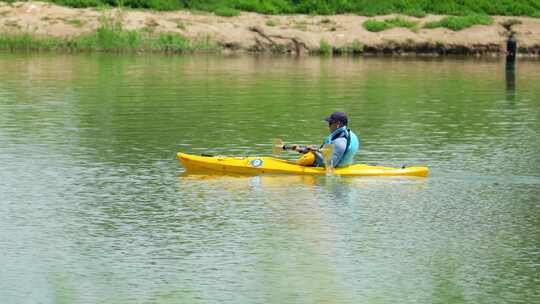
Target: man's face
334,125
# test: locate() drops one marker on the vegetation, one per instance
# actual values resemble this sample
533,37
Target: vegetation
75,22
179,23
415,12
457,23
377,26
325,48
226,12
354,48
108,37
325,7
271,23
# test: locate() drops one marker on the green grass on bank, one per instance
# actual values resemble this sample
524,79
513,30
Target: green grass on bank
323,7
109,37
377,26
326,49
455,23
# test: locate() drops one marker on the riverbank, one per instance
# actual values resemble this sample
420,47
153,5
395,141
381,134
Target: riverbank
39,25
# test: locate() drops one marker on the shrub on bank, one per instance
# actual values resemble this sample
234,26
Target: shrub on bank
271,23
324,47
324,7
457,23
377,26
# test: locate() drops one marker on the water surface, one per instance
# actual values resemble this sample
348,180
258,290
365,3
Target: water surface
94,208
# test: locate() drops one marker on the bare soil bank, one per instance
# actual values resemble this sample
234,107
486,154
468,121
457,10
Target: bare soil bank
299,34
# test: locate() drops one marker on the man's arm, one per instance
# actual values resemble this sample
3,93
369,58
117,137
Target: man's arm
340,145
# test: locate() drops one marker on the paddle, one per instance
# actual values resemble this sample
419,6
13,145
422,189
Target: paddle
278,147
326,152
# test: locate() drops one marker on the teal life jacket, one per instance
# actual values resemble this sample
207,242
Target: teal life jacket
353,145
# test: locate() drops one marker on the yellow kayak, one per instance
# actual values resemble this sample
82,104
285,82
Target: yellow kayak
271,165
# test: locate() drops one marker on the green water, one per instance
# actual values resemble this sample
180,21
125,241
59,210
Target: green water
94,208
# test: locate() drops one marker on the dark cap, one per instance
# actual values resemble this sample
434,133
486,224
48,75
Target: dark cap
338,116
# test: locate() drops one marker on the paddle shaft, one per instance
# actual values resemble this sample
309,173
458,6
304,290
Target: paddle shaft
326,152
298,148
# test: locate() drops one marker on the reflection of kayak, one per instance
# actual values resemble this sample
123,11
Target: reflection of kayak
271,165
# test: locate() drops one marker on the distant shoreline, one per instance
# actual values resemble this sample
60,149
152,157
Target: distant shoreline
43,26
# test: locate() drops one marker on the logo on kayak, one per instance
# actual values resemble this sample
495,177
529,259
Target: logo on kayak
256,163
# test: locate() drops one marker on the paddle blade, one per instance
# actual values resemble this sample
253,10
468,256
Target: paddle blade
277,146
327,151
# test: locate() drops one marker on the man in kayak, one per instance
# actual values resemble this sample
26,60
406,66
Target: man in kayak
345,142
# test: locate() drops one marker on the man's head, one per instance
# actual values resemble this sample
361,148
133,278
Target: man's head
336,120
